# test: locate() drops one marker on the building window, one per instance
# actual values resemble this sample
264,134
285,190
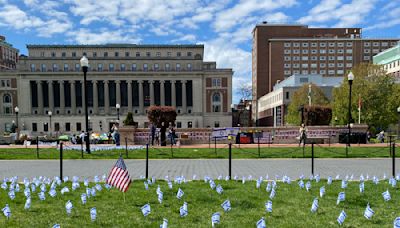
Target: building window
33,68
216,124
340,51
158,54
189,67
145,67
322,44
367,58
190,124
323,58
216,82
189,53
296,65
169,54
331,44
340,65
349,65
287,72
313,65
137,54
66,67
55,67
331,65
341,58
367,51
216,102
178,54
116,54
287,65
178,125
296,44
178,67
148,54
331,51
78,126
287,94
304,58
367,44
123,67
322,71
287,58
42,54
349,57
375,44
45,127
287,51
296,58
287,44
63,54
322,65
94,54
73,54
322,51
133,66
296,51
67,126
331,58
167,67
156,66
105,54
304,51
100,67
339,72
43,68
314,58
313,44
111,67
127,54
304,65
77,66
349,51
56,126
375,51
304,44
53,54
349,44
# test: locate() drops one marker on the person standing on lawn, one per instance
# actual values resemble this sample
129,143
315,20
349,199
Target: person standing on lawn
303,134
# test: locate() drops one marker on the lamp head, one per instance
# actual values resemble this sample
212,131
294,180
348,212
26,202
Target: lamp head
350,76
16,109
232,106
118,106
50,113
84,63
398,109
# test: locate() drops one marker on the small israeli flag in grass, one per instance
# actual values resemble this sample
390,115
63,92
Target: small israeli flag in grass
68,207
212,184
258,184
314,206
337,177
88,191
273,184
164,224
183,210
83,198
215,218
341,218
93,191
392,182
93,214
308,186
226,205
219,177
268,206
269,187
301,184
42,196
261,223
52,193
344,184
273,193
107,186
86,182
7,211
98,187
75,185
179,194
341,197
322,191
243,180
66,178
28,203
368,213
64,190
169,184
17,187
11,194
396,223
75,179
384,176
220,189
386,195
329,180
146,186
317,178
227,178
104,177
27,192
96,179
194,177
375,180
146,210
4,185
362,178
43,188
160,196
362,188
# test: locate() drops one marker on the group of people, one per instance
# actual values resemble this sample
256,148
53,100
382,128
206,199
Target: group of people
158,134
114,134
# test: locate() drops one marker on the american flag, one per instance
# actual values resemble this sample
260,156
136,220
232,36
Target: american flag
119,176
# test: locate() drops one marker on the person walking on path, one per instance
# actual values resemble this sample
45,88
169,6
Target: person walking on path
303,134
115,134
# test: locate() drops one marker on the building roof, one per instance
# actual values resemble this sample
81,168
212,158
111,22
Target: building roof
297,80
115,46
388,55
332,39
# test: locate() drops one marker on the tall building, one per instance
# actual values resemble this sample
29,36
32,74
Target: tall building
280,50
390,61
135,76
8,55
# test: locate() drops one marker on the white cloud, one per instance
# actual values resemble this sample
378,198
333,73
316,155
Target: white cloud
85,36
346,15
186,38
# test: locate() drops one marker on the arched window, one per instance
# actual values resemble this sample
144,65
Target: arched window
6,99
216,102
7,104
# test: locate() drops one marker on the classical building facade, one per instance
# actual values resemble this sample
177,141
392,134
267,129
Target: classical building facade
281,50
8,55
134,76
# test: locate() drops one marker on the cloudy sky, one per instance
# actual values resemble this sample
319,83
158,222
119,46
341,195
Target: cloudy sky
223,26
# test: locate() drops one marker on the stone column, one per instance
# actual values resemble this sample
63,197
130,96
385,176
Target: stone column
141,105
51,95
73,97
118,93
40,96
151,92
173,93
95,98
62,97
106,98
129,95
184,106
162,93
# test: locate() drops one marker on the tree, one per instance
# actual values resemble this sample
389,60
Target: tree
300,98
379,94
245,91
159,114
129,120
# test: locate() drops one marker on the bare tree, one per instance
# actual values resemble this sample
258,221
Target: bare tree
245,91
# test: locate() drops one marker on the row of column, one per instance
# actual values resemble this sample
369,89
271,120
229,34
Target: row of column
107,95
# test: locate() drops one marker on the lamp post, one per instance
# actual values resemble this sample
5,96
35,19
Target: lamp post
50,113
398,127
309,95
85,65
249,116
118,106
16,109
232,108
350,78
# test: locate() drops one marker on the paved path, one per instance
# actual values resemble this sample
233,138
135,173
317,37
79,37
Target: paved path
201,167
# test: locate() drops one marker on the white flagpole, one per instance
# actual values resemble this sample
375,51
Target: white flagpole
359,115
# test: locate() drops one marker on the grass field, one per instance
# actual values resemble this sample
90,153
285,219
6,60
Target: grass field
291,206
168,153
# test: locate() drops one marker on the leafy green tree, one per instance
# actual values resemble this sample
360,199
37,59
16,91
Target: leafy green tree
379,95
300,98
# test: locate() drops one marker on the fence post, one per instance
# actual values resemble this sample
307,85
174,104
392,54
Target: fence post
126,147
147,161
215,145
394,159
172,151
312,158
61,161
258,144
230,161
37,147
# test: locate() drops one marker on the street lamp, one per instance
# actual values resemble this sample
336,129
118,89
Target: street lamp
232,108
85,65
398,127
118,106
50,113
350,78
16,110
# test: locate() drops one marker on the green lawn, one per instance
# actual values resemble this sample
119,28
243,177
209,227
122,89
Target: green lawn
167,153
291,206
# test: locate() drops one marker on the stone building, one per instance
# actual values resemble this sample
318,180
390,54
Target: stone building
134,76
8,55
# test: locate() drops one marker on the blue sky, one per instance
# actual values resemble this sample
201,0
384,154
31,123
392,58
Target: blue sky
223,26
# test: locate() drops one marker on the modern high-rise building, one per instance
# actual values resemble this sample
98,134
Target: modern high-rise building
8,55
50,79
281,50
